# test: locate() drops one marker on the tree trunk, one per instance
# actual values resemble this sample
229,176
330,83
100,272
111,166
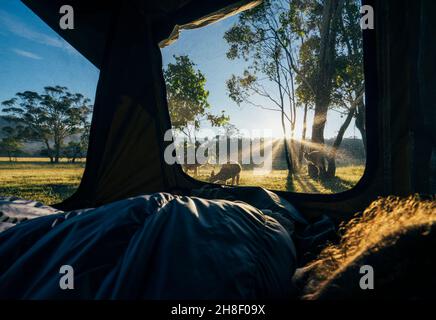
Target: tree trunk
360,123
326,68
293,151
288,154
286,147
293,113
303,136
57,151
331,169
49,151
319,121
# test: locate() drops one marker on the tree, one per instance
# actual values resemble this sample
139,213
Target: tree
263,37
352,42
49,117
311,51
188,98
11,144
78,149
331,76
318,21
11,147
73,151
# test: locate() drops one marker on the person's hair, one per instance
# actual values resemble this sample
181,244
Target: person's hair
396,237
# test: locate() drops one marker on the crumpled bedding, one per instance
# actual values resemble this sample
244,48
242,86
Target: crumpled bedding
158,246
14,210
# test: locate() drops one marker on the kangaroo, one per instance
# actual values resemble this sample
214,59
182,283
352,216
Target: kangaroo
313,170
231,170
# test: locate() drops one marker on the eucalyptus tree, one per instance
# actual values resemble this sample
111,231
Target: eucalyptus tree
48,117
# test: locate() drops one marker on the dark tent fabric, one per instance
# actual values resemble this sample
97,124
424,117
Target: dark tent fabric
158,246
424,133
95,20
122,38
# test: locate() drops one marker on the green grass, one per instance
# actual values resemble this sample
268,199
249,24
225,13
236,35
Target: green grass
346,178
37,179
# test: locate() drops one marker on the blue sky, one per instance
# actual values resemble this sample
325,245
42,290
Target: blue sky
33,56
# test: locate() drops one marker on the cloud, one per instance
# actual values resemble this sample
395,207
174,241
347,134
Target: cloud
26,54
20,29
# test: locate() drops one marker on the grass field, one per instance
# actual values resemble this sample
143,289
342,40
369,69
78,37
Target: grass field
37,179
346,178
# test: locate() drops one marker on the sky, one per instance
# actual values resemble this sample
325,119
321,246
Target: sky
33,56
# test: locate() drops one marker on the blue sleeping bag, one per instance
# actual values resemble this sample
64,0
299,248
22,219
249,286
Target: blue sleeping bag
158,246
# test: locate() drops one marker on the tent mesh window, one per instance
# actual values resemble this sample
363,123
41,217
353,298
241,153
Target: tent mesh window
273,96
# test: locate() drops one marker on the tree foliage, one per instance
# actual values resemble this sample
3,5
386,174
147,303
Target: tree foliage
188,98
48,117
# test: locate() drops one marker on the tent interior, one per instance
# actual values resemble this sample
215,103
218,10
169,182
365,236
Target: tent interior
134,215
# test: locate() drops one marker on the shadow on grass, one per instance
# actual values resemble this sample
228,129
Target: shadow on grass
306,185
45,193
336,184
63,190
290,183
